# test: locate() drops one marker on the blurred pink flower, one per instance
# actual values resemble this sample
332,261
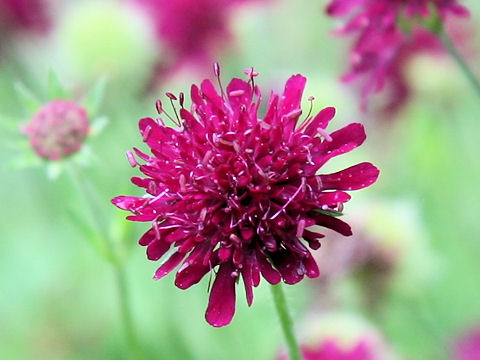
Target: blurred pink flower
17,15
231,190
329,349
191,31
468,346
382,47
58,129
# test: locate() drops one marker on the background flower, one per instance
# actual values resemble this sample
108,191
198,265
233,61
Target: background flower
387,34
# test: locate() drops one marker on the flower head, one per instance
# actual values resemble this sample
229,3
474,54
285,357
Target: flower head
58,129
468,346
191,31
238,195
341,336
387,33
23,15
329,349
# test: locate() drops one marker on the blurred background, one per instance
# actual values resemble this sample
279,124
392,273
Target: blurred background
409,275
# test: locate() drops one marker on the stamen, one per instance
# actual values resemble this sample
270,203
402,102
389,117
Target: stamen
158,105
131,158
300,228
207,157
301,187
236,93
146,133
156,229
294,113
182,182
325,134
216,71
340,207
311,99
181,99
173,97
251,73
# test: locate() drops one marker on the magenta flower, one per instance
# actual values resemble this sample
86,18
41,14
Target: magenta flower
23,15
381,46
236,195
329,349
468,346
58,129
191,31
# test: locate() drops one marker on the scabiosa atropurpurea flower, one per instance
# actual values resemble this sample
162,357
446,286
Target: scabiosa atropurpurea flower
330,350
58,129
191,31
342,336
386,33
23,15
230,191
467,347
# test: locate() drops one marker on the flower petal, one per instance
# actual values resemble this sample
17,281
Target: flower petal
342,141
353,178
221,305
169,265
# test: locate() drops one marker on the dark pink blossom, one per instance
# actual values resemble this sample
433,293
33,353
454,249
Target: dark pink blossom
189,31
329,349
58,129
236,195
16,15
468,346
381,45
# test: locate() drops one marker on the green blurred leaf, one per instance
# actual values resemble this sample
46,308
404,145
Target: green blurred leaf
95,96
29,101
55,90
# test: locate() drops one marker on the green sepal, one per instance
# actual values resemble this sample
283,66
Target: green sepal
329,212
434,22
29,102
55,89
97,125
95,96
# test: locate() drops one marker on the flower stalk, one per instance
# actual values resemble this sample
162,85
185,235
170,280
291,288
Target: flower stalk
462,64
87,188
286,322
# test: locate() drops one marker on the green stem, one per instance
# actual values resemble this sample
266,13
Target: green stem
125,309
285,321
92,198
462,64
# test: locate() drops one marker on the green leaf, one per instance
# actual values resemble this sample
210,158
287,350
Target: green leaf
55,90
29,102
94,97
329,212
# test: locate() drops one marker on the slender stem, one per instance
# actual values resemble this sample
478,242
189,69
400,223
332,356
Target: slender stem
126,312
286,321
449,45
92,199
